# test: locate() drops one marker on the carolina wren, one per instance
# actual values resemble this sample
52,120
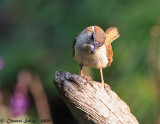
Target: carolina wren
92,47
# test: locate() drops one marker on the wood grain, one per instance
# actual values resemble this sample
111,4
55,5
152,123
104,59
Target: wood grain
90,102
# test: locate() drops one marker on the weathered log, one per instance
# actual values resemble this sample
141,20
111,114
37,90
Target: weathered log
91,102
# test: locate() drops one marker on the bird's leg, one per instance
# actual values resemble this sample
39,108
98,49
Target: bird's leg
81,66
102,81
88,78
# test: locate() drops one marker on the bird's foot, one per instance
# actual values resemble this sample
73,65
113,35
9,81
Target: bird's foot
106,86
87,78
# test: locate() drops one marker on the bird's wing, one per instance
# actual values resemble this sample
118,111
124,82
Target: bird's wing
73,45
73,48
109,54
111,35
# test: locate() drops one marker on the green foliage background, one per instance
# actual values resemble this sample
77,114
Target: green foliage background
38,35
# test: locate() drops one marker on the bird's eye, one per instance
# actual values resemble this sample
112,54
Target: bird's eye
92,38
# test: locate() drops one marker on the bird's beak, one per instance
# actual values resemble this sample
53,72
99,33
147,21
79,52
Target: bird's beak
92,46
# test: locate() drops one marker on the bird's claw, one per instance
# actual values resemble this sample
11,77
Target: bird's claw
87,78
107,87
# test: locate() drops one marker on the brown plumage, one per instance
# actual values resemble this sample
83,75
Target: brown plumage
100,35
111,35
92,47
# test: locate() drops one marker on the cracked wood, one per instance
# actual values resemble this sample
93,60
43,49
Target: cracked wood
90,102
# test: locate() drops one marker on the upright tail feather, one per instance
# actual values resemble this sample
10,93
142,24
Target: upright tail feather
111,35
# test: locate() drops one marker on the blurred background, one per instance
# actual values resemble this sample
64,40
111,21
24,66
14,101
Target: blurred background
36,39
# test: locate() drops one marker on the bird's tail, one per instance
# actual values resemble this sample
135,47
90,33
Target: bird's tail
111,35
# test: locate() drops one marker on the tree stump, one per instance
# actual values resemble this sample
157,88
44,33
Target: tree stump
90,102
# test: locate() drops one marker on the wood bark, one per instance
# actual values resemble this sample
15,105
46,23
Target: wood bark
91,102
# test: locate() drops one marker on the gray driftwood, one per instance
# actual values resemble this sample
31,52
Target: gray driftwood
90,102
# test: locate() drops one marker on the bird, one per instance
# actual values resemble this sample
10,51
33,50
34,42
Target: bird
92,47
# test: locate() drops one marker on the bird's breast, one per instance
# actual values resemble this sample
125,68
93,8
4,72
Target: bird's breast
97,60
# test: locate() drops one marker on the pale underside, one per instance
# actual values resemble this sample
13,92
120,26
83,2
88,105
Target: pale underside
96,60
103,54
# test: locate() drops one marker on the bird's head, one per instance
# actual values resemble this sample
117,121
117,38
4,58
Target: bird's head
91,38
